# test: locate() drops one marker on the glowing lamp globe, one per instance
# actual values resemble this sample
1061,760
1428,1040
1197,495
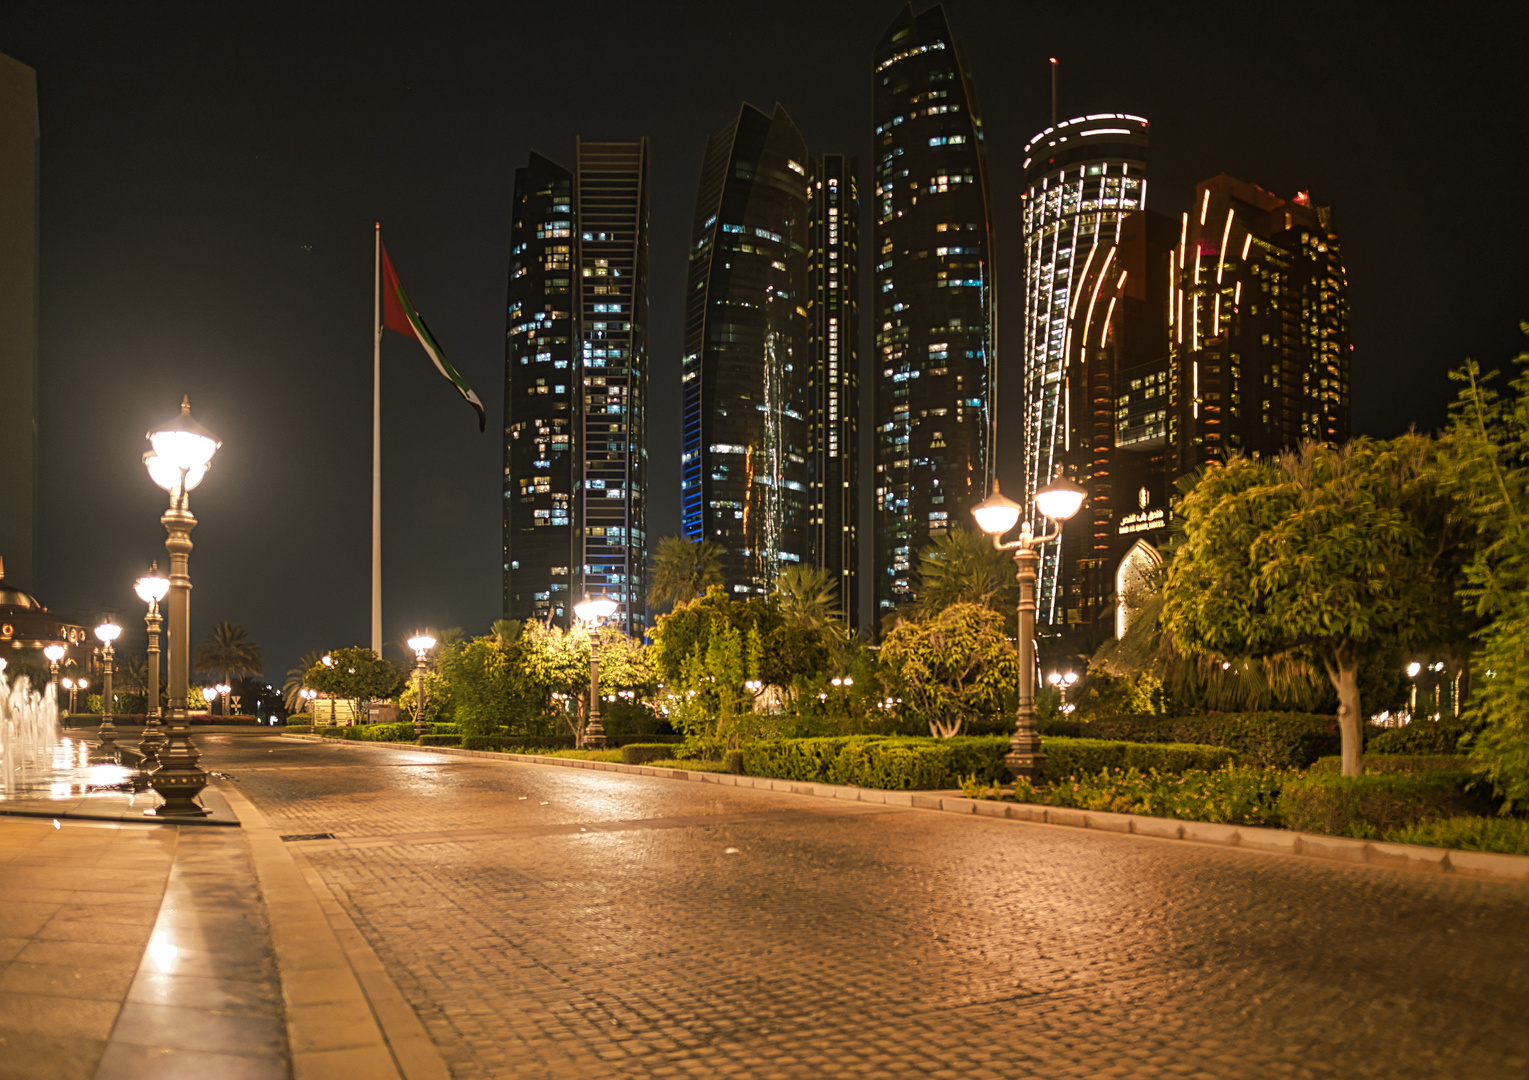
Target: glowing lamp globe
54,653
151,588
82,684
1060,499
422,643
997,513
108,632
599,607
67,683
164,473
184,443
209,694
1413,669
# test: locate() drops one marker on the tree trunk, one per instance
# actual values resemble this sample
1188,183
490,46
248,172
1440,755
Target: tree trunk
1343,670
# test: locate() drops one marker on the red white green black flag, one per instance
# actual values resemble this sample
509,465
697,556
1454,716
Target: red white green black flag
398,315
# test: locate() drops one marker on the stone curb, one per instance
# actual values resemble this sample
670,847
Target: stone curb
345,1017
1481,864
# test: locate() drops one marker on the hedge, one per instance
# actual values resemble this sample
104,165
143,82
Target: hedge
1274,739
642,753
440,740
1418,737
370,732
1507,835
299,729
921,764
1375,764
1375,806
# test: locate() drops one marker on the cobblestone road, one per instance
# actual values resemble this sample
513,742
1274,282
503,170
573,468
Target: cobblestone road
550,922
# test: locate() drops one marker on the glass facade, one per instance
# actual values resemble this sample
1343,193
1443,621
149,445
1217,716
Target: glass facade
833,321
576,386
933,299
746,382
1083,177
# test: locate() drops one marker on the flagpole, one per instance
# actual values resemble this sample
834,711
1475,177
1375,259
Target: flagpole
377,442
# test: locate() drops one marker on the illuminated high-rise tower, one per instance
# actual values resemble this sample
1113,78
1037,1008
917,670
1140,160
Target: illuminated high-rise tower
833,326
576,374
745,470
934,299
1082,178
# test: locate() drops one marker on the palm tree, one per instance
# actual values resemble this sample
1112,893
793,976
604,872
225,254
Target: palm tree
964,567
229,652
683,570
809,596
292,689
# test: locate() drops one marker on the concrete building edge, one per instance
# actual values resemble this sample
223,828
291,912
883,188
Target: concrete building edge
1494,866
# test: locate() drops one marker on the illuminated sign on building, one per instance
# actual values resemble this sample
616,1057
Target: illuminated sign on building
1143,521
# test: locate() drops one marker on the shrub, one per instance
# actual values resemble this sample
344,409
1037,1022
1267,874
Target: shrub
732,762
1507,835
1372,806
299,729
1232,795
1376,764
440,740
445,729
1272,739
1418,737
1088,757
300,720
642,753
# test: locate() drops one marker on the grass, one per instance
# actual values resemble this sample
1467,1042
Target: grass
694,764
1510,836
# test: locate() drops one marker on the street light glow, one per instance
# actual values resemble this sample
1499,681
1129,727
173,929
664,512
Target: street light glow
422,643
598,607
997,513
152,587
108,632
54,653
1060,499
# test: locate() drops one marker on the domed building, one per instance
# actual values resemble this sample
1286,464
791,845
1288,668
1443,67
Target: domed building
26,624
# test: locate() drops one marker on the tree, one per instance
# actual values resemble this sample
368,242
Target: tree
1487,456
683,570
356,675
809,597
292,689
1327,553
952,666
489,686
230,653
963,567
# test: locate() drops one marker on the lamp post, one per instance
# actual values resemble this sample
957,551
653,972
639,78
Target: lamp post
591,611
1062,682
54,653
996,515
151,589
107,633
182,452
421,644
1412,701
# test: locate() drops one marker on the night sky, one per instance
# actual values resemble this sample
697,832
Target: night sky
210,175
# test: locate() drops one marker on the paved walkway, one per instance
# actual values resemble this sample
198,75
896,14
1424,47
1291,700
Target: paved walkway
551,922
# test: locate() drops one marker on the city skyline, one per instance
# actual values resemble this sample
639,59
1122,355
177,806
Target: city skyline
246,292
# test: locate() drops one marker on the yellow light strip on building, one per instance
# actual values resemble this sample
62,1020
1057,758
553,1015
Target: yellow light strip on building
1226,234
1204,206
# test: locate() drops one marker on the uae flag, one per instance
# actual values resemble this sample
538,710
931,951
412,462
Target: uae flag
399,316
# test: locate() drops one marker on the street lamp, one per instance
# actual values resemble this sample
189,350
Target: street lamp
182,451
996,515
68,684
151,589
1062,682
421,644
107,633
209,695
591,610
224,690
54,653
1412,673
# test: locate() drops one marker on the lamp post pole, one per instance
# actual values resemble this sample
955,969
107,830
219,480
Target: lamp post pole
594,731
179,779
421,644
108,730
151,588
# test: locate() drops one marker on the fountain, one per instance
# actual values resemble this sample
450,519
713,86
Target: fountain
37,761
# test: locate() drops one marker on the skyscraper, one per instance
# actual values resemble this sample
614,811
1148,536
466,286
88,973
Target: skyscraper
1082,178
1261,341
576,370
833,325
19,137
934,297
745,470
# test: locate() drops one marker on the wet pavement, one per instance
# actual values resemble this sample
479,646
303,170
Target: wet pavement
548,922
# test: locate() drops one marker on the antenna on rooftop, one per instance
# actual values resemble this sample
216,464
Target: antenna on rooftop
1053,91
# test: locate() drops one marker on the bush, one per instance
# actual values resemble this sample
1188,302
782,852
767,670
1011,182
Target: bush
1088,757
1232,795
1507,835
1272,739
370,732
1418,737
1369,807
1377,764
642,753
299,729
519,744
440,740
732,762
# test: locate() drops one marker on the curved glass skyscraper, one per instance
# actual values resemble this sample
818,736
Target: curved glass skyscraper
745,471
933,304
1082,178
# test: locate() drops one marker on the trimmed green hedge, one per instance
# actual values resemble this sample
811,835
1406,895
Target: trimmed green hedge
440,740
1376,764
642,753
1273,739
299,729
1375,806
370,732
916,764
1418,737
1507,835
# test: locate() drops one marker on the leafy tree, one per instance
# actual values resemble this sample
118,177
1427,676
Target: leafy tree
557,662
292,689
356,675
489,685
952,666
786,650
963,567
683,570
229,653
1327,553
1487,455
809,597
709,702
